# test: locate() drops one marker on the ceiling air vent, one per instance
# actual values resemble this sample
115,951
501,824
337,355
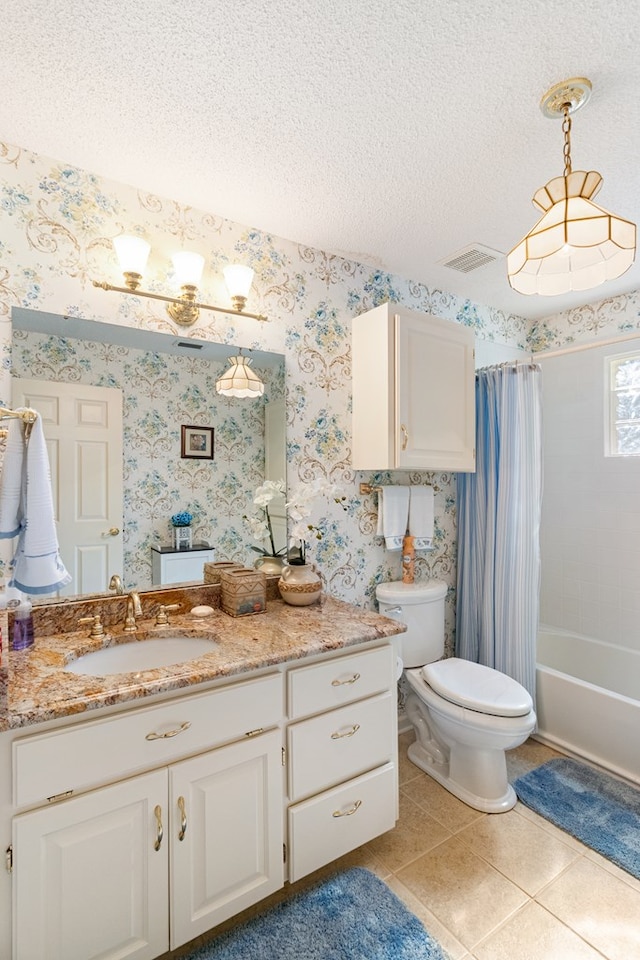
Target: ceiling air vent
188,344
471,258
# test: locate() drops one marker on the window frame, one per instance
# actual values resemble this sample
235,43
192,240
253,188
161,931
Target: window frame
612,423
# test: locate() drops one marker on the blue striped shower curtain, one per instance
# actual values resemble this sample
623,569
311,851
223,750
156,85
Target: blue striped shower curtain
499,525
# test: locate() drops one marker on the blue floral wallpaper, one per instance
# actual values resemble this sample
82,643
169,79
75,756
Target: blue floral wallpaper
56,227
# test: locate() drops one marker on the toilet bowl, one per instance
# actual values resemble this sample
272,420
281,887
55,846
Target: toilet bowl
465,715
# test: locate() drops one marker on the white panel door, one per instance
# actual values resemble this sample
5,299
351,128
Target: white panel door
226,833
88,881
83,429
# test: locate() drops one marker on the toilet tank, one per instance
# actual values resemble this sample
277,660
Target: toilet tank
421,607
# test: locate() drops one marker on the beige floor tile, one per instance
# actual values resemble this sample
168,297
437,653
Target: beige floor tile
439,803
551,828
469,896
528,755
534,934
415,833
430,922
519,848
601,908
614,869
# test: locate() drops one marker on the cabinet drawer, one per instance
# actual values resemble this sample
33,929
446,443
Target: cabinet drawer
101,751
335,746
322,686
325,827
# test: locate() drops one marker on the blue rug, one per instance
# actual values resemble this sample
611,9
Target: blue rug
602,812
352,916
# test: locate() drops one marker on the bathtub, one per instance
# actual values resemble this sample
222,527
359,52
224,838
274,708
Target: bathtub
588,700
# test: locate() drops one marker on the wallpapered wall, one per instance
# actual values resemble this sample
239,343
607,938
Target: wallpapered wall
56,226
160,392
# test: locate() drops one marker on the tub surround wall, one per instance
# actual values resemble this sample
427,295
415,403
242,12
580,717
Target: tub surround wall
590,513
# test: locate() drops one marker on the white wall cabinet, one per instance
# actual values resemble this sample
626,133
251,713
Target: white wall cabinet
182,825
413,392
169,565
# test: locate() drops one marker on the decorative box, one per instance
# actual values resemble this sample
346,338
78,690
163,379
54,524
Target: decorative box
212,571
243,591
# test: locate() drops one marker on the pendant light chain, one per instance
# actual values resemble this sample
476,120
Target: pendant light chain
566,129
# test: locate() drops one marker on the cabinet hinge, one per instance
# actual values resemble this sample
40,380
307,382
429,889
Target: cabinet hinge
284,853
284,756
8,858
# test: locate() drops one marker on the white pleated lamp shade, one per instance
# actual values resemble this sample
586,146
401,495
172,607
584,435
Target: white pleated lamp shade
239,380
576,245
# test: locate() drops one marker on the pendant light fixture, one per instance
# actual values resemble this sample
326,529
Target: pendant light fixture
239,380
576,245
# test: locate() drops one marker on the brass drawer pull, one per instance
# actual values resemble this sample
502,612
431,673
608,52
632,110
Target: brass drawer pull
348,733
350,812
183,819
405,436
169,733
339,683
159,831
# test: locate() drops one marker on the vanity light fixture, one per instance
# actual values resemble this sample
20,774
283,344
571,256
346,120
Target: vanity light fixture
239,380
576,245
133,253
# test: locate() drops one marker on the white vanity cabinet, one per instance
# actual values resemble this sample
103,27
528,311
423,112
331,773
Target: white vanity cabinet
342,756
132,869
134,832
413,392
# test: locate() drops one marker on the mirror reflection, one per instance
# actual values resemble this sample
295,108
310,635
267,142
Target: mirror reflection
137,435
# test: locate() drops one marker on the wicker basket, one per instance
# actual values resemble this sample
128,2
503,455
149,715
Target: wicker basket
243,592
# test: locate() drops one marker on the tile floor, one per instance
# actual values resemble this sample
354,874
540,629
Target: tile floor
497,887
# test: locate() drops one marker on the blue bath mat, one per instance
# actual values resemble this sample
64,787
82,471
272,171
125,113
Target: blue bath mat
352,916
602,812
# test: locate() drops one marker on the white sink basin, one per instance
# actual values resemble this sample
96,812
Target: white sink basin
140,655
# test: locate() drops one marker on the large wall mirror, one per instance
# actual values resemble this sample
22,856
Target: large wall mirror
114,403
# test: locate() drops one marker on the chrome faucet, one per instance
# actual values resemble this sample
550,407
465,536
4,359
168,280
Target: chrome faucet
134,609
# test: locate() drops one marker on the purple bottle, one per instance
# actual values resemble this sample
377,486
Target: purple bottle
22,626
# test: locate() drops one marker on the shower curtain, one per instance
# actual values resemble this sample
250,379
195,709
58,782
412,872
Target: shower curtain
499,525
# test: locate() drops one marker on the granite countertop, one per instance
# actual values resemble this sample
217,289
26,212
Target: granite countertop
39,688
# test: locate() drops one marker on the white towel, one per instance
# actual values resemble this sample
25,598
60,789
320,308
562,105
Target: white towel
421,517
11,481
37,567
393,515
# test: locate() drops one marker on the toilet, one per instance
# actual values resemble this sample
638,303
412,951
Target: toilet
465,715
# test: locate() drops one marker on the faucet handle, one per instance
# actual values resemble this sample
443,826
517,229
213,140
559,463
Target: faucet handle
97,630
163,609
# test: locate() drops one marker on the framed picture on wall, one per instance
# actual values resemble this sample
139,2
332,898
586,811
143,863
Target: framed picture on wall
197,442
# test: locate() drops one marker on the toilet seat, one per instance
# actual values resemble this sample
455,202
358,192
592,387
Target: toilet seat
476,687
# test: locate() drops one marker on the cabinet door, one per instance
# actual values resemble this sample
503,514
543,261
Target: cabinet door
226,833
88,881
435,394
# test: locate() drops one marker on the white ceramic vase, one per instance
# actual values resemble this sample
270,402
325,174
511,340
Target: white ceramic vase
300,584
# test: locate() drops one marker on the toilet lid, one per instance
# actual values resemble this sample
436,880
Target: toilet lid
477,687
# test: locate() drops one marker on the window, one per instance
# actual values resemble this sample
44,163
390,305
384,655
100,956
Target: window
623,434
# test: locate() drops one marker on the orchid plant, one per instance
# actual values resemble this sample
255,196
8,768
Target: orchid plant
260,522
299,511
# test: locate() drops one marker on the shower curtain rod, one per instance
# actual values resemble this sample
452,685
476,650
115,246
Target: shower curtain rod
576,347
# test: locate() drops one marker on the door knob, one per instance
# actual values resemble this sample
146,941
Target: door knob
111,532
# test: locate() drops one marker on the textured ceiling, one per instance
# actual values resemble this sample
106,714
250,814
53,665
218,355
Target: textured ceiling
392,133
